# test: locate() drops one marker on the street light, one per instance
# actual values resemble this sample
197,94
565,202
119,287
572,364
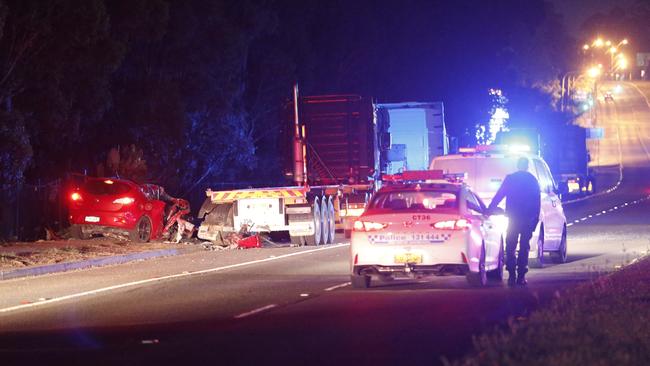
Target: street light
593,72
599,42
585,47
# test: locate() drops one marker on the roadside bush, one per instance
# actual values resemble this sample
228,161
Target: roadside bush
603,322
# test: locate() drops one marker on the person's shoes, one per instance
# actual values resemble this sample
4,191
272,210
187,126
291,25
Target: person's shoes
512,280
521,281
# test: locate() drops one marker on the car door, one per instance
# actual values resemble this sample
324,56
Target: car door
551,207
488,229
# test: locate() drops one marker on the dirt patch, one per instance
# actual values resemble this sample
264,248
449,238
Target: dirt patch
18,255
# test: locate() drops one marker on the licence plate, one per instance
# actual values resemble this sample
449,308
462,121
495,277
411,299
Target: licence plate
409,238
92,219
408,258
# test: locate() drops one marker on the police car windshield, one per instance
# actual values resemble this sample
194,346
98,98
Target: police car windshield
435,201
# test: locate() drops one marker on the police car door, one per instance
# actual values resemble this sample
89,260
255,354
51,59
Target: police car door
489,231
551,207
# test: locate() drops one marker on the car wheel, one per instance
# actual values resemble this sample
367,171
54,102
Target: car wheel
478,279
496,274
76,232
539,261
560,255
315,238
142,231
360,281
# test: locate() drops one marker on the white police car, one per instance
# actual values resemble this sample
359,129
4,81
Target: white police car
487,167
425,223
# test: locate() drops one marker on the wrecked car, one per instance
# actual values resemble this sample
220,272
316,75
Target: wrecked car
119,207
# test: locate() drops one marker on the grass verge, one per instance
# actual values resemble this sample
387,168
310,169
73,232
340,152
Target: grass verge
603,322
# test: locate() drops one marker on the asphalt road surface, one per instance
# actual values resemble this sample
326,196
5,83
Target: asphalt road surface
295,305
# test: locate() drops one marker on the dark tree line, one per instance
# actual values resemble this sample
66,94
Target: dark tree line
198,86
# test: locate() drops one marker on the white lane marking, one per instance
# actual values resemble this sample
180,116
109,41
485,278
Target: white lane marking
338,286
569,224
255,311
156,279
304,295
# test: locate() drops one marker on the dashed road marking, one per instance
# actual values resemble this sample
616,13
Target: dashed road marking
255,311
609,210
338,286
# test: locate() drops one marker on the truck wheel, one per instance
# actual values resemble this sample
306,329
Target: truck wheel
325,221
315,238
142,231
332,215
76,232
360,281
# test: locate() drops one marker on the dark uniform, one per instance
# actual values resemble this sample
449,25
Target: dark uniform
522,194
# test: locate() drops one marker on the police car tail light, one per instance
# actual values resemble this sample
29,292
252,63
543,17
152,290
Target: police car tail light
459,224
368,226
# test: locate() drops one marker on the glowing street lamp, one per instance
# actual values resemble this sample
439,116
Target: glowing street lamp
585,47
593,72
599,42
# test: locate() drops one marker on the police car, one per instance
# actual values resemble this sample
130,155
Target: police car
426,223
487,167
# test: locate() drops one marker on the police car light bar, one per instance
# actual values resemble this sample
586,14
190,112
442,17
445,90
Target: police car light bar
424,176
414,175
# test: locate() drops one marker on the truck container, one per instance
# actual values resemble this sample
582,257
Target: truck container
417,132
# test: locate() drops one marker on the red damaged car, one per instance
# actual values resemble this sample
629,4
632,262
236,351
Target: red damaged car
121,207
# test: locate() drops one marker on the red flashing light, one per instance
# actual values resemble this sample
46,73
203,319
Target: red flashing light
414,175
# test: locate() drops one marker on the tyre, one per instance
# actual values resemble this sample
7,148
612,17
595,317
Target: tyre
315,238
332,215
142,231
560,255
478,279
360,281
539,261
347,233
496,274
325,221
76,232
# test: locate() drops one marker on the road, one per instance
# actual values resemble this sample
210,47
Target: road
294,305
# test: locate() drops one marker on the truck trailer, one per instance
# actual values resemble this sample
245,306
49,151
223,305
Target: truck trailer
338,148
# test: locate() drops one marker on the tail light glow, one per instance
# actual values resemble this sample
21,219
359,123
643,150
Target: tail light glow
124,200
368,226
459,224
75,196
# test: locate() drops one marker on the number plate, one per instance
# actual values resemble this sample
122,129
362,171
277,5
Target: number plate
92,219
408,258
409,238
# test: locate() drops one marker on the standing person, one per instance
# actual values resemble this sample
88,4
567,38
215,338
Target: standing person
522,193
